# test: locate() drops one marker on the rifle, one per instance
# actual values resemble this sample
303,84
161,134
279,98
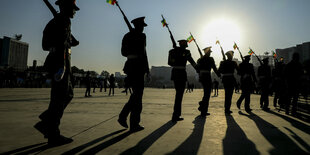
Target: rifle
125,18
224,58
197,45
260,61
240,53
54,12
174,44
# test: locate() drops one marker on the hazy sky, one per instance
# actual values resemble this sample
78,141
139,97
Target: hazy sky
263,25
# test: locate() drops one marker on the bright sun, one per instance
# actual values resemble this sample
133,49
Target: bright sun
224,30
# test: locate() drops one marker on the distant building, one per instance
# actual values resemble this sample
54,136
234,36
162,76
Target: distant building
13,54
302,49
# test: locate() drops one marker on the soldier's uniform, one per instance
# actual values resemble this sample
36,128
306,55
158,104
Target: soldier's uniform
204,65
227,69
136,66
264,75
57,39
246,71
178,58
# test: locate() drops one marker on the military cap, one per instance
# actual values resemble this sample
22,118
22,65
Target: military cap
247,57
182,41
139,21
67,2
231,53
207,49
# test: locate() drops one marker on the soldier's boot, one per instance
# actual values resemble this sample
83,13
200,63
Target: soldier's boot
42,128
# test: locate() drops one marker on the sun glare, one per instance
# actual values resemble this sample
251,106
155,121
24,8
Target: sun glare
224,30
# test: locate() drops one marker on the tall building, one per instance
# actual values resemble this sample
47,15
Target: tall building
302,49
14,54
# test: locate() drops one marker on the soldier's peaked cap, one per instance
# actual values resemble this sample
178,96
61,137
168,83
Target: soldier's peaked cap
182,40
207,49
67,3
139,21
231,53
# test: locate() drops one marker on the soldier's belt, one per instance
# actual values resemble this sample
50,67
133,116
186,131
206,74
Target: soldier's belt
178,67
132,57
228,74
54,49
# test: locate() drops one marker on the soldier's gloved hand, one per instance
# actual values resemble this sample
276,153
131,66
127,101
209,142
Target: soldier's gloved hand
60,74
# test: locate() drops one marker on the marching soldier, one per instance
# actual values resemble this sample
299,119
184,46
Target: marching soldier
57,39
278,83
227,69
136,66
293,73
178,58
205,64
264,75
216,87
246,71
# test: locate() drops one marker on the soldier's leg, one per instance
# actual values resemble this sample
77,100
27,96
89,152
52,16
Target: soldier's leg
59,100
228,95
265,94
241,98
138,88
179,87
294,100
247,100
206,97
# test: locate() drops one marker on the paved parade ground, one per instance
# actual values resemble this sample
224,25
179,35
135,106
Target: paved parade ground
92,123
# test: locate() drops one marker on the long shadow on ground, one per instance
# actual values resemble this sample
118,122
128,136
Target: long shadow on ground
281,142
192,143
25,148
82,147
106,144
146,142
297,124
236,141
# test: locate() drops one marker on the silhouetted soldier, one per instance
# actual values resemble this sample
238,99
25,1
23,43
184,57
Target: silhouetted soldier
216,87
264,75
136,66
57,40
178,58
101,83
112,84
293,73
227,69
88,84
246,71
278,83
188,89
105,84
204,65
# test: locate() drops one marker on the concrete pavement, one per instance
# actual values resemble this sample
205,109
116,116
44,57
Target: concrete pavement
92,123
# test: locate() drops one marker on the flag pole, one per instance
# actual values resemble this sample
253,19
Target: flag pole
224,58
125,18
174,44
239,52
196,45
